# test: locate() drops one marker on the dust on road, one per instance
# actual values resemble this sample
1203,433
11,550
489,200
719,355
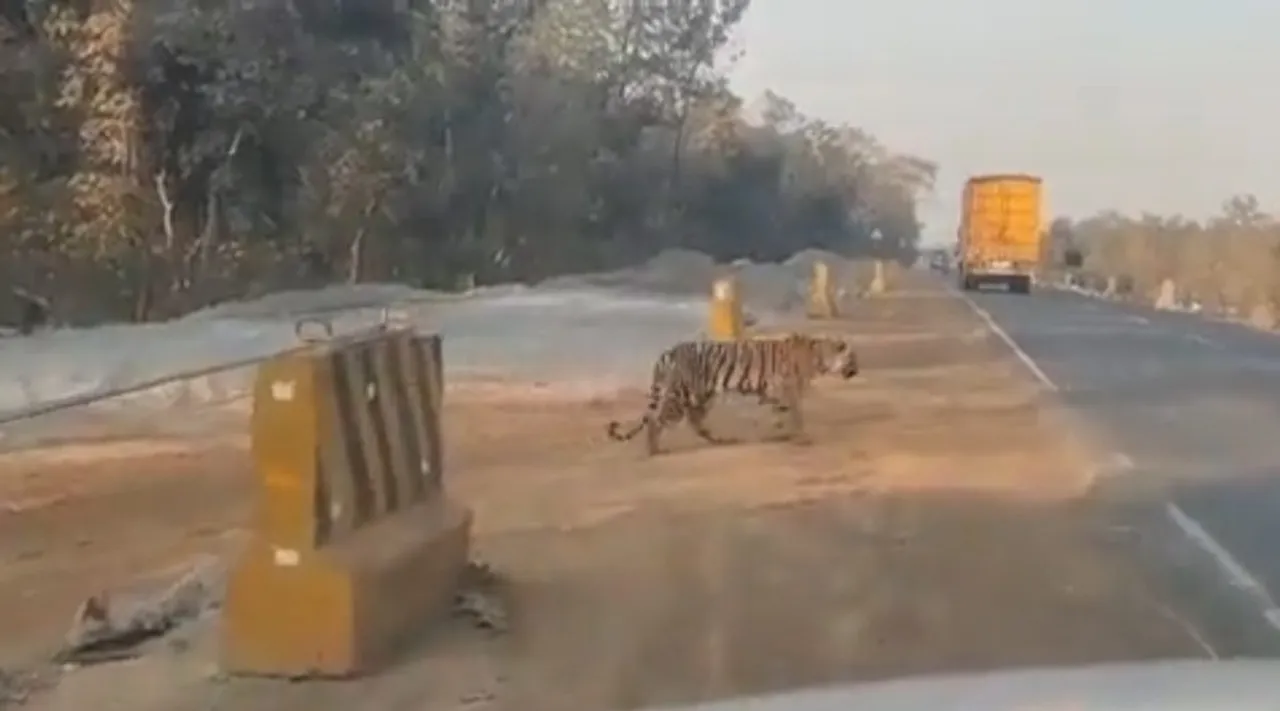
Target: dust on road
936,523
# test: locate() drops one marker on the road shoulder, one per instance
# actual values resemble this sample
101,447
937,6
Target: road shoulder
938,522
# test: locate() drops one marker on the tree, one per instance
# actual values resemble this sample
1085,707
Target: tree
154,162
1227,262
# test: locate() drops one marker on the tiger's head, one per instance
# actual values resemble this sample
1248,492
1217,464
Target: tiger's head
833,356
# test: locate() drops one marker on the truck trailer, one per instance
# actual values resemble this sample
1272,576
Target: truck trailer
1000,232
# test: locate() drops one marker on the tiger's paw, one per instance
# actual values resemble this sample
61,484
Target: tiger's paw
723,441
779,434
800,440
782,434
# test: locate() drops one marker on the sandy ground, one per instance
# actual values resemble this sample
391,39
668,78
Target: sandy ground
935,523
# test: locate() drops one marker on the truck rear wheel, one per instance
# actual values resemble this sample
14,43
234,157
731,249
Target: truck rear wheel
1020,285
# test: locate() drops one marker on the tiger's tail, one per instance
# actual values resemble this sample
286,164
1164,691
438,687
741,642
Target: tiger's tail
650,414
656,388
616,434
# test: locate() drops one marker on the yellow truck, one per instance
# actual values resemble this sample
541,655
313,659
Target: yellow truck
1000,231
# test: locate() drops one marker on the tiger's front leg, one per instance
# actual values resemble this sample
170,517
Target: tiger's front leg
790,423
797,434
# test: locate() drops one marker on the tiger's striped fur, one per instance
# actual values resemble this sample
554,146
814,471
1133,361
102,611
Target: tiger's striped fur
688,376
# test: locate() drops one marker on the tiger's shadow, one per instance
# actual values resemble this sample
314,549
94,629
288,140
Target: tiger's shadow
741,420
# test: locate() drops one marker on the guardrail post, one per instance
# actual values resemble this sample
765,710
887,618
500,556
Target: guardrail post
1167,296
1262,316
877,285
355,543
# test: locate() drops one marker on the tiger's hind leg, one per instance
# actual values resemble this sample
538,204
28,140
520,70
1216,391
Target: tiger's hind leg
667,414
697,418
652,430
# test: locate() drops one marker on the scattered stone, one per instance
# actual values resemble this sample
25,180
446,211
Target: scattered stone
480,598
18,686
107,630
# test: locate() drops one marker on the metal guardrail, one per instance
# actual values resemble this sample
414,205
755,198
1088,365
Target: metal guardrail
390,317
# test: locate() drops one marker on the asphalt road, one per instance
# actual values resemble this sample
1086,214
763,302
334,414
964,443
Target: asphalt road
1186,405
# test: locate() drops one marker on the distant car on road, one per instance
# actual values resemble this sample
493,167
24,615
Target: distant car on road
939,261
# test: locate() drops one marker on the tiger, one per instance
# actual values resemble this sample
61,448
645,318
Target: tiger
777,371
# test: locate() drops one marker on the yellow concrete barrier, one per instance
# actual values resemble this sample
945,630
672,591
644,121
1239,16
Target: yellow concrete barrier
822,296
725,320
354,544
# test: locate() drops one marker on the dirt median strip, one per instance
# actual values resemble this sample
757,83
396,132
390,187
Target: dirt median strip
935,523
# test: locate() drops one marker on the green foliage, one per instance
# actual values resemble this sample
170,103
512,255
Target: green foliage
152,163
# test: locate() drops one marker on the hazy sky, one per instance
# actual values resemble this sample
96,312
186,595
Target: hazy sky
1134,104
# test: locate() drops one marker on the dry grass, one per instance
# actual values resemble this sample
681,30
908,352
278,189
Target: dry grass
1226,269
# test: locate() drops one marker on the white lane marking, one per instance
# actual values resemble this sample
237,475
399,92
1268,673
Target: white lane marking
1017,351
1118,464
1236,573
1197,338
1188,628
1140,320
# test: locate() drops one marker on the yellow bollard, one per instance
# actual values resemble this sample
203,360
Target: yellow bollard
725,322
822,301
